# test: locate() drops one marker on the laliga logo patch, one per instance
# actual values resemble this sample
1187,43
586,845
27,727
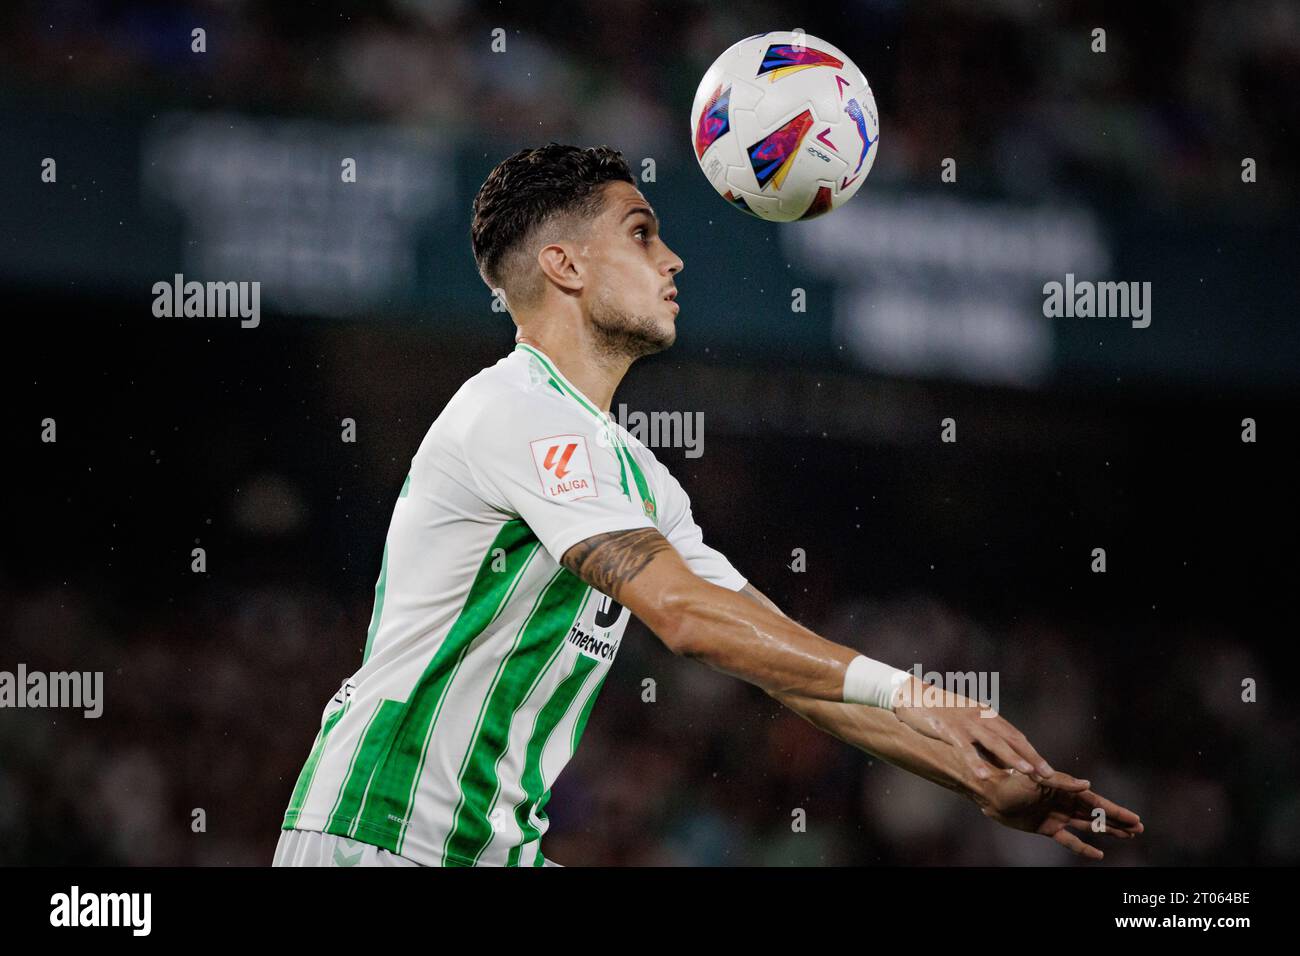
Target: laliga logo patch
564,467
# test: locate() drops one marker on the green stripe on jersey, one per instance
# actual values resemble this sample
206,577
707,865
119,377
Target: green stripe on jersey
579,725
303,786
537,643
374,740
642,486
548,718
394,773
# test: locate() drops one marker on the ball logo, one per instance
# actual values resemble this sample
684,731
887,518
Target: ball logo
564,467
782,59
773,156
713,121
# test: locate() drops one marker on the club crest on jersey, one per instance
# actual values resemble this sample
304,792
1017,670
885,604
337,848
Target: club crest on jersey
564,467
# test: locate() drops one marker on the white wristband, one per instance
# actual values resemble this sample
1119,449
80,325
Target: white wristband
872,683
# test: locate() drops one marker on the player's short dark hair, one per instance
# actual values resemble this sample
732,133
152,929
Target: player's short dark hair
529,190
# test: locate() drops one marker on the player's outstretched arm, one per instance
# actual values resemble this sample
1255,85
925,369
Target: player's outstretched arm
756,643
1053,808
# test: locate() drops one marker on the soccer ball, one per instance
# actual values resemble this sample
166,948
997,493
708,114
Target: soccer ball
784,126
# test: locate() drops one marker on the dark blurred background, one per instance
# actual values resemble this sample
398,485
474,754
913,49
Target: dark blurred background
924,302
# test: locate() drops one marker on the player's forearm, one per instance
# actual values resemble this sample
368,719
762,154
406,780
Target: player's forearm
880,733
731,634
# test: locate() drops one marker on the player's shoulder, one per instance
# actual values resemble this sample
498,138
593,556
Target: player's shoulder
505,379
501,391
522,393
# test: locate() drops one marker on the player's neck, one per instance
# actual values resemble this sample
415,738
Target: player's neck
595,376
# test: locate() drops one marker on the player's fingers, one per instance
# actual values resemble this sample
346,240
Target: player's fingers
1072,842
1059,780
1119,830
963,744
1002,750
1115,814
1129,830
1122,826
1021,745
1085,826
1114,825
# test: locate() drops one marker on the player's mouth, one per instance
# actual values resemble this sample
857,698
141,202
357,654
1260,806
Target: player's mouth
669,297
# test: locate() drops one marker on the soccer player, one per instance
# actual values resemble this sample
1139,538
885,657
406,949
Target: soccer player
531,525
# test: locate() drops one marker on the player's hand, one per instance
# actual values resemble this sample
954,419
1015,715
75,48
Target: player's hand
1016,801
957,721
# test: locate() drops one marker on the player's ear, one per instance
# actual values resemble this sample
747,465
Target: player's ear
559,266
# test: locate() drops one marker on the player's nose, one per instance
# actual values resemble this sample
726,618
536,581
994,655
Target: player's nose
673,264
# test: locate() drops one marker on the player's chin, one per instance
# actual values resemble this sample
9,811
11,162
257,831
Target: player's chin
655,338
667,332
673,310
660,326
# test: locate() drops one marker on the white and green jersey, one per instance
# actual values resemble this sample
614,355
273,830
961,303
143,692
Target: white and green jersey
484,656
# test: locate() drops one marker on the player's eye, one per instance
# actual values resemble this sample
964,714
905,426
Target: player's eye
642,230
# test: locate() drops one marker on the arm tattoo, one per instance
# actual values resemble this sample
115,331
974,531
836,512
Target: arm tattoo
608,561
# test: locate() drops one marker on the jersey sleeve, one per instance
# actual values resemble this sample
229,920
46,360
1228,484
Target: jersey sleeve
554,465
684,534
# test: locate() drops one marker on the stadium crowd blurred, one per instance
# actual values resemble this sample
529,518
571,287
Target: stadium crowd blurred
1179,85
